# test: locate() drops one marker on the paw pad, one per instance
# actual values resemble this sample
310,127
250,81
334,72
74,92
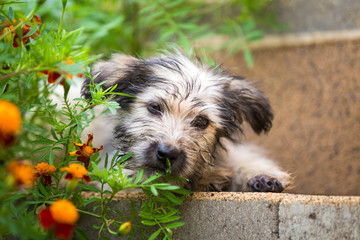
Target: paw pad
263,183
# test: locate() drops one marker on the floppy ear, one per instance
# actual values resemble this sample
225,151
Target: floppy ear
244,102
127,72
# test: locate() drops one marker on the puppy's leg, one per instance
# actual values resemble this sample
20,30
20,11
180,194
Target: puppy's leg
253,171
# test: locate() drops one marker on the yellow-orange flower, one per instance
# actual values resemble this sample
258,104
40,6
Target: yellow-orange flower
53,76
23,173
44,170
85,151
62,216
76,171
20,38
64,211
10,122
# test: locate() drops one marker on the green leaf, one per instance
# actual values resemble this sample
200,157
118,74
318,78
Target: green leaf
139,176
153,190
168,214
166,187
43,190
123,158
182,191
148,223
122,94
51,158
42,157
170,219
152,178
43,140
248,57
11,13
112,165
88,187
53,134
146,215
31,32
172,197
80,234
90,200
175,225
154,235
41,149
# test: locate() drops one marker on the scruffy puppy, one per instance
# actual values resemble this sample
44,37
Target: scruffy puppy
190,114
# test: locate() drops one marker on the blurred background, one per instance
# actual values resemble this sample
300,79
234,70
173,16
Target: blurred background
303,54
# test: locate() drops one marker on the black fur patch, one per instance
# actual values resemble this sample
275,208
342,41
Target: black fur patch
245,104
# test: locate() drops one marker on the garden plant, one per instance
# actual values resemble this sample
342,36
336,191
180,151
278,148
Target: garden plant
45,167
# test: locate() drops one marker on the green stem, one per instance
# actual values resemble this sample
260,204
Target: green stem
107,203
90,214
99,234
18,72
61,19
162,229
12,74
125,216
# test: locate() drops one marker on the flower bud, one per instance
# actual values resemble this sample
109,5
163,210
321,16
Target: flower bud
9,35
71,186
125,228
64,2
10,181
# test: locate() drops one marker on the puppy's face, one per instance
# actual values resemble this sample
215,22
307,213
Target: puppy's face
180,111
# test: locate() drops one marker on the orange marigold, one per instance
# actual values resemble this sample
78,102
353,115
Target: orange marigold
58,77
85,151
20,38
62,216
22,173
10,122
64,211
44,170
76,171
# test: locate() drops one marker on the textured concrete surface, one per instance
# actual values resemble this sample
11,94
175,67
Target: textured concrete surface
315,93
213,216
314,217
319,15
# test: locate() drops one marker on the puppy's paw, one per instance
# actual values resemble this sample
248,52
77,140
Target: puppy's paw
264,183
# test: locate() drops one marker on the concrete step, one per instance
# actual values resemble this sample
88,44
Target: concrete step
214,216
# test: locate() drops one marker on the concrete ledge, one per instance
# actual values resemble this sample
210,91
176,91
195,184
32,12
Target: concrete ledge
259,216
273,41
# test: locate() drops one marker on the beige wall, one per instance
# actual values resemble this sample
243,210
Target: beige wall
315,94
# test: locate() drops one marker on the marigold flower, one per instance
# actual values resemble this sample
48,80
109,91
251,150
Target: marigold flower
86,151
76,171
44,170
10,122
7,25
62,216
21,172
53,76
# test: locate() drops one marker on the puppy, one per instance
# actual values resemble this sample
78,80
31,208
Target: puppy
188,114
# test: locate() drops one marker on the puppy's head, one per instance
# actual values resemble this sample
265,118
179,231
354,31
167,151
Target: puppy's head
180,112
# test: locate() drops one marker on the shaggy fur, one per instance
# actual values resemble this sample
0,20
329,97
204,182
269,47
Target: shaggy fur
190,114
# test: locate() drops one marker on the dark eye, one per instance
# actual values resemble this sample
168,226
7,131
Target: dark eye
154,108
201,122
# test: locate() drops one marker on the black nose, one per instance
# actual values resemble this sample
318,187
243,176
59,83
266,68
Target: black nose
163,152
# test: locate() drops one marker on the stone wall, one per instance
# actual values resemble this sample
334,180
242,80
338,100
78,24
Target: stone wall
315,93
